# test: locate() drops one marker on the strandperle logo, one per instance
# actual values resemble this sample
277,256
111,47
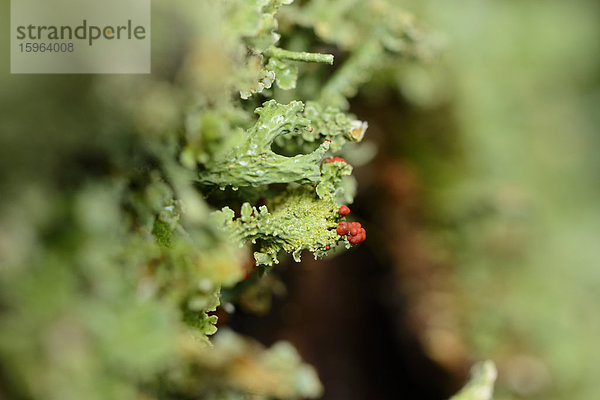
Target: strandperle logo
84,31
80,37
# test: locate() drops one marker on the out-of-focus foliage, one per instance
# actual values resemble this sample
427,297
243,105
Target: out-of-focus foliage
501,135
237,366
481,385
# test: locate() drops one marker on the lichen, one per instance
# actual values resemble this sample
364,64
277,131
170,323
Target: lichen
294,221
250,161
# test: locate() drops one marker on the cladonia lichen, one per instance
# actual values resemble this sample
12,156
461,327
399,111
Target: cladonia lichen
294,221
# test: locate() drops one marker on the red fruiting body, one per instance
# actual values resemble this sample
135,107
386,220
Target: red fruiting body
328,140
354,228
342,228
354,239
310,130
344,210
362,234
357,233
328,247
333,159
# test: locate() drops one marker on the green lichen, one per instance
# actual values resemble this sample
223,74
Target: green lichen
296,220
198,308
266,63
261,77
251,161
336,182
260,22
327,123
286,73
282,54
280,68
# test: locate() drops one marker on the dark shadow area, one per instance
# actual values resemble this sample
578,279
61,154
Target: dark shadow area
336,316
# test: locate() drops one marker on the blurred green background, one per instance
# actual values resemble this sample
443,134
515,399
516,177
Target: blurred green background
522,208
